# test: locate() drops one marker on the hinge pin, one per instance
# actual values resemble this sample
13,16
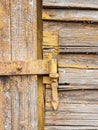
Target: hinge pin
54,83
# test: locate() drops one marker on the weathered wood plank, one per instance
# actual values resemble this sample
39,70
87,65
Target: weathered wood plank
75,97
5,55
74,34
24,47
81,61
78,76
63,116
5,104
5,45
70,15
75,108
93,4
78,49
70,128
72,122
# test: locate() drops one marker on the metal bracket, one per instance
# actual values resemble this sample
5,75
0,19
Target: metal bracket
35,67
54,83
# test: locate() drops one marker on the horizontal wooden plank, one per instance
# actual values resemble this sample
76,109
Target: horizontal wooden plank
51,121
75,97
78,49
70,128
63,116
70,87
74,35
74,108
70,15
24,67
78,76
82,61
93,4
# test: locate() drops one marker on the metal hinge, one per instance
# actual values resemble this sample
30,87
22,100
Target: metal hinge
53,80
35,67
54,83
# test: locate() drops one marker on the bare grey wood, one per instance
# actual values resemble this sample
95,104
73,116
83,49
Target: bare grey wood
71,3
70,15
70,128
75,97
74,108
78,61
78,76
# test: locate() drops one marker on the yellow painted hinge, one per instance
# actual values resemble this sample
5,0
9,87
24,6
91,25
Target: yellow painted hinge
53,81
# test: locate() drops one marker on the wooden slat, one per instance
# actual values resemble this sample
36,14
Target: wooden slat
78,76
81,50
70,15
74,34
5,104
75,97
71,40
86,122
75,108
93,4
24,47
5,55
70,128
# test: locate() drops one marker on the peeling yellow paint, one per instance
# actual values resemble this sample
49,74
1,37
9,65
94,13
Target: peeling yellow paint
50,38
45,16
2,13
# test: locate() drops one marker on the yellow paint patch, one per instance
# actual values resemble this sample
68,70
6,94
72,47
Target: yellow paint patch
50,39
45,16
2,13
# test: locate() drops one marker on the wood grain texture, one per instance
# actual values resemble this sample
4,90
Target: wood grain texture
5,45
71,40
78,76
70,128
24,47
70,15
76,108
5,104
82,61
74,34
93,4
5,55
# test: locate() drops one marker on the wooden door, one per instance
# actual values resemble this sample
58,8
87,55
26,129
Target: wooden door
71,35
20,40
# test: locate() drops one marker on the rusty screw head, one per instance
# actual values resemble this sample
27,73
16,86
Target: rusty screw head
19,67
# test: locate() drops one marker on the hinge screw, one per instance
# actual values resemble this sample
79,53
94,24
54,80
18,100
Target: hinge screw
19,68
